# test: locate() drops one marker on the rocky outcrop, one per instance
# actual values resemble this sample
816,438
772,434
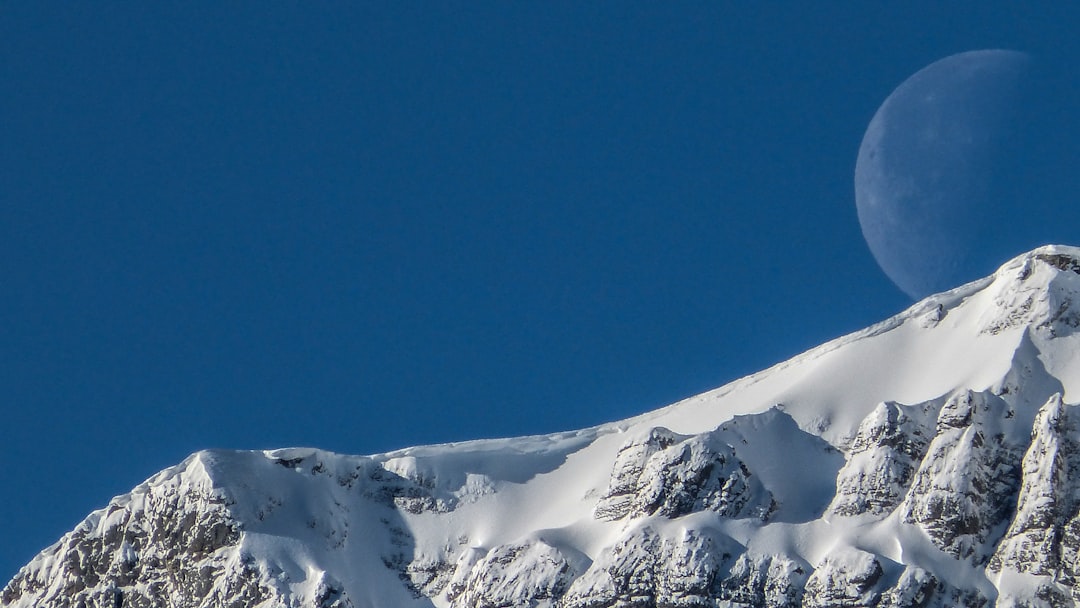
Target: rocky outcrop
1043,539
882,461
1040,293
172,542
646,568
845,578
672,475
1047,499
917,588
768,581
963,490
524,574
618,501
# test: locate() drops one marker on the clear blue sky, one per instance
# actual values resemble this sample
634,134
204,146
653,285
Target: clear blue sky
367,228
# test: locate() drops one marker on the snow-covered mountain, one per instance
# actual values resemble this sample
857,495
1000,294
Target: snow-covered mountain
930,460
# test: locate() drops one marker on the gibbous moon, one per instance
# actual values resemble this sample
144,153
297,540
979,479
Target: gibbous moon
925,175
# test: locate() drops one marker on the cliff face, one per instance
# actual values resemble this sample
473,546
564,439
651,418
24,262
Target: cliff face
930,461
166,539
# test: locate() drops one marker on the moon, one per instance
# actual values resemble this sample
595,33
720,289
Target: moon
929,167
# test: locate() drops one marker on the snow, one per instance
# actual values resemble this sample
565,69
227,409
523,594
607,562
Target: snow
513,503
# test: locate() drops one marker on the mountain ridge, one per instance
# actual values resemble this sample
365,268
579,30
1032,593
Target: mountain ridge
921,464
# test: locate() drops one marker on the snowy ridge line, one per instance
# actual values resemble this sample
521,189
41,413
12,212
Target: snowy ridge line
928,461
945,300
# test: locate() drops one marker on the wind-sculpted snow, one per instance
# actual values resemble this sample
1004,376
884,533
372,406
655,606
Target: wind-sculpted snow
930,461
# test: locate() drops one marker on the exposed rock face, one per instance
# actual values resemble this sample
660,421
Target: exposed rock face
849,578
622,490
963,489
1042,294
770,581
1043,539
671,475
917,588
648,569
1032,544
883,459
168,545
526,574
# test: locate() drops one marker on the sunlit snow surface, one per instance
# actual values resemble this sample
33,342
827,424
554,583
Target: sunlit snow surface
307,517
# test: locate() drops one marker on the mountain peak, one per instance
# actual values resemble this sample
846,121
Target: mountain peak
931,460
1052,259
1062,257
1039,289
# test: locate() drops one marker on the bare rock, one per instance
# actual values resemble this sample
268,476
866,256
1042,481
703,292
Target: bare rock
884,456
673,475
963,492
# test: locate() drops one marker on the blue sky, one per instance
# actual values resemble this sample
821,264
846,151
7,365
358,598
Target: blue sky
367,227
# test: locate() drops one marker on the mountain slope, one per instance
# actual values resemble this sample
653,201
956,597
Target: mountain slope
930,460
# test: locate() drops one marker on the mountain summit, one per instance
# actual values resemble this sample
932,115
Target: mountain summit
931,460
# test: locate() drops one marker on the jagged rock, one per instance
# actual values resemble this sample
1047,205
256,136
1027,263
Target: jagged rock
423,575
764,581
884,456
964,487
1040,294
1032,543
682,475
410,492
647,569
689,564
526,574
1042,539
844,578
617,501
917,588
1069,560
624,575
168,543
